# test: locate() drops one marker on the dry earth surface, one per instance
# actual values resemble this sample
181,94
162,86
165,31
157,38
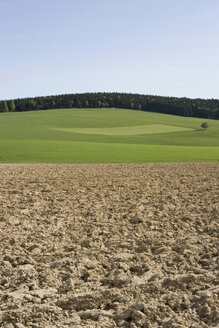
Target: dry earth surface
109,245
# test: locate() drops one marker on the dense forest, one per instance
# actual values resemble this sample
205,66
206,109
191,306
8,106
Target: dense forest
205,108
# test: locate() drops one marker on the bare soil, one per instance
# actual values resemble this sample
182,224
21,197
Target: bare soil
109,245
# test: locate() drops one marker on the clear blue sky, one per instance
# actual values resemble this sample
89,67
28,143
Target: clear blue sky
159,47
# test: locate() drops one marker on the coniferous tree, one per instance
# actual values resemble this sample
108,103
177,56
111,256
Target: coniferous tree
1,106
78,103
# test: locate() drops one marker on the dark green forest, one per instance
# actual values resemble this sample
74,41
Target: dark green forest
204,108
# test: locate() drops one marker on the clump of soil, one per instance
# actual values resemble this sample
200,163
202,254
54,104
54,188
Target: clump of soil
109,245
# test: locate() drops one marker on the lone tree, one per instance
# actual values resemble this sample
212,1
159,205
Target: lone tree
204,125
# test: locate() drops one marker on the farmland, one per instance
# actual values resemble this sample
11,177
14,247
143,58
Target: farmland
105,136
109,245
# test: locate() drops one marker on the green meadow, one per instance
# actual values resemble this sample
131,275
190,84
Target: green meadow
105,136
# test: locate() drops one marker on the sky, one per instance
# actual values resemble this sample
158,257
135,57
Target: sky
154,47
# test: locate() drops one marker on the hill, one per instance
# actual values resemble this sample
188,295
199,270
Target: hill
205,108
105,136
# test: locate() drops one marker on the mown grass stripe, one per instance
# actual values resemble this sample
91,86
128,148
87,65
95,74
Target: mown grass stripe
128,130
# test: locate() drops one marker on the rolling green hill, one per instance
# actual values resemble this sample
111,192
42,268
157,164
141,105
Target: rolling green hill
105,136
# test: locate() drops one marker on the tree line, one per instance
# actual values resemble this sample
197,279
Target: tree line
204,108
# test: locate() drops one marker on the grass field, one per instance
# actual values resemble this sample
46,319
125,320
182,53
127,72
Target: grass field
105,136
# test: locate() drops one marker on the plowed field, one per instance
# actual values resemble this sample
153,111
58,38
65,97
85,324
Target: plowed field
109,245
